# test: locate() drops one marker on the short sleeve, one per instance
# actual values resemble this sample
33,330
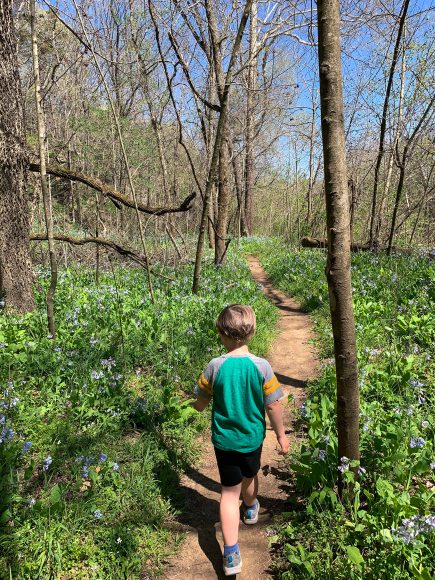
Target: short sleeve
272,390
204,387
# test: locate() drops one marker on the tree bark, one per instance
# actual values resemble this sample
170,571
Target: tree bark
223,201
337,213
250,121
15,264
46,195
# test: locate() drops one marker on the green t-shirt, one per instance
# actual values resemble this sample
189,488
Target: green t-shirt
240,386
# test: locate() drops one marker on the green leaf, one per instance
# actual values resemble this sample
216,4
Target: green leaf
5,517
354,555
55,495
386,535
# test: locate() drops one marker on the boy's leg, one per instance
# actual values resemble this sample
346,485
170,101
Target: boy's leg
229,513
249,490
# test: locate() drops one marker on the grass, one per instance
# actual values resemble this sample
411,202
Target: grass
96,425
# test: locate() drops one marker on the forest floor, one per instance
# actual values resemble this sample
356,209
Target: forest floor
293,358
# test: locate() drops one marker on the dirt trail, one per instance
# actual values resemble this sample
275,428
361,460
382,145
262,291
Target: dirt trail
293,359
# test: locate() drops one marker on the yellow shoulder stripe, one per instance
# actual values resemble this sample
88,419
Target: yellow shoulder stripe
271,386
204,385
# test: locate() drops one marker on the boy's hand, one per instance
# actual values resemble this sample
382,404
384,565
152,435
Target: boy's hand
284,444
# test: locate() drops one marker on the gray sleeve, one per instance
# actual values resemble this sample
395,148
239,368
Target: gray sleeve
204,387
272,390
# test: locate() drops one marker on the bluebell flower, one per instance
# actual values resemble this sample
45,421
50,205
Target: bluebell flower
415,383
362,471
47,462
303,411
102,458
115,467
417,442
432,465
322,455
97,375
411,527
6,435
27,445
344,464
98,515
108,362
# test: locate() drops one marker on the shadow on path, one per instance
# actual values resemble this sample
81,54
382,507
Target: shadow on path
202,514
290,381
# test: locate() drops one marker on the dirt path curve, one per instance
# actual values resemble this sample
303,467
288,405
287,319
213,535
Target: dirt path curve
200,558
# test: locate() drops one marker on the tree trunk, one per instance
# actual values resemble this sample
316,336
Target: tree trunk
337,214
223,201
395,141
250,121
384,121
46,196
311,178
15,264
216,147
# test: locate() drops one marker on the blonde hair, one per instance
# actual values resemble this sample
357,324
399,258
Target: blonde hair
237,321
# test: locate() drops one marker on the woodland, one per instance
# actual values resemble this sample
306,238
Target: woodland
146,150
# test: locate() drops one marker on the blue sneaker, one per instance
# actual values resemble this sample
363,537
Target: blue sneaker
250,514
232,564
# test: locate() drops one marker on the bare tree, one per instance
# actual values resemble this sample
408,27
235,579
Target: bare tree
401,161
46,195
337,213
218,138
246,225
384,119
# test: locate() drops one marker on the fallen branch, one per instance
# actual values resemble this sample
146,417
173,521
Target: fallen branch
354,247
110,192
102,242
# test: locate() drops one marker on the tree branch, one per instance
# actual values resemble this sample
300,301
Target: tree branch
39,237
185,68
110,192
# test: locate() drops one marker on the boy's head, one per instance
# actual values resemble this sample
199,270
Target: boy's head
237,322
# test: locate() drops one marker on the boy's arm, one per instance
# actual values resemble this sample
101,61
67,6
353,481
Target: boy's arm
272,393
274,412
203,390
200,404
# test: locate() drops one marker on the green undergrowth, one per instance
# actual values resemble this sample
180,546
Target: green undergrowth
95,425
387,528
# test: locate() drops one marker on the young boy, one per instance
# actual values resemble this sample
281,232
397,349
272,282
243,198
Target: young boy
241,385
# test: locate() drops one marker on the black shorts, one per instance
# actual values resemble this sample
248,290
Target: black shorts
234,466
